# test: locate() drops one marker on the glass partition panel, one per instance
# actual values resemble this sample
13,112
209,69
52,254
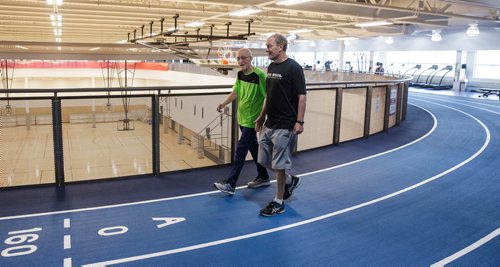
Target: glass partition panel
377,110
106,138
27,146
319,118
193,134
353,114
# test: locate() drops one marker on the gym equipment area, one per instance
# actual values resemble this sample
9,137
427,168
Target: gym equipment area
431,75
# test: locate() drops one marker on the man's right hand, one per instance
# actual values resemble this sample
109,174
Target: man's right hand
258,123
220,107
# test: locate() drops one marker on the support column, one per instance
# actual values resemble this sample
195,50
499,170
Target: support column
58,141
341,54
368,111
456,73
399,103
155,129
338,116
405,100
387,106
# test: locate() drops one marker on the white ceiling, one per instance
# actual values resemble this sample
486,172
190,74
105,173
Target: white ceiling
104,23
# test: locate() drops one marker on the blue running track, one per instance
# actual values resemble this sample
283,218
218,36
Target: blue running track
394,199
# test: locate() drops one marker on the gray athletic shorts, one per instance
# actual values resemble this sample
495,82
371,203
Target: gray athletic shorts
275,148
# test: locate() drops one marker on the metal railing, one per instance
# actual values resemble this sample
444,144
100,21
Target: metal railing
214,141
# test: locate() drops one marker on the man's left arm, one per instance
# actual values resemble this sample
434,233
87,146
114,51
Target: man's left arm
299,124
300,82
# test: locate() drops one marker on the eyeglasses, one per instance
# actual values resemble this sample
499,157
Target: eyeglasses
241,58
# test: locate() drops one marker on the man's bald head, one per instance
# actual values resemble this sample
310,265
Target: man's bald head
244,59
245,52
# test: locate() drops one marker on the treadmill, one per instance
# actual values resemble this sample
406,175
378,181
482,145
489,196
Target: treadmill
440,86
433,69
416,68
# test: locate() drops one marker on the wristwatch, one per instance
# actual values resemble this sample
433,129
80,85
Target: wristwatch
300,122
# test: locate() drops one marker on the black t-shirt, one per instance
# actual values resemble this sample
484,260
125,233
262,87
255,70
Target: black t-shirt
284,83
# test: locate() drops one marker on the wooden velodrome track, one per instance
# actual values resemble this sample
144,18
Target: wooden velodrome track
424,193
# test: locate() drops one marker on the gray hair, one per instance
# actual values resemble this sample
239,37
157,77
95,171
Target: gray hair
280,40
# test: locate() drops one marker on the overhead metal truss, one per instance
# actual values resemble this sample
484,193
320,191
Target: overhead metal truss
177,41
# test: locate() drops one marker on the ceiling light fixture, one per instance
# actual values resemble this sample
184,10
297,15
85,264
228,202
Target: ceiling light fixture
21,47
290,2
373,23
57,2
245,12
53,17
472,30
436,36
195,24
95,48
389,40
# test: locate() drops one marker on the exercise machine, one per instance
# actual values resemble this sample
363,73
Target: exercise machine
416,68
432,68
439,86
489,91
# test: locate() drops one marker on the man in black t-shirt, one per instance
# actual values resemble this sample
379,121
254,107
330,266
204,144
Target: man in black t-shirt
284,108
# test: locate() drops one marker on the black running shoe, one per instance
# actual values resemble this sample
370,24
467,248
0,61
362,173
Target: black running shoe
272,208
290,187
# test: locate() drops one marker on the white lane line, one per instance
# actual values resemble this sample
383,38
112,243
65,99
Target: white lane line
455,98
468,249
308,221
67,223
67,241
454,102
216,191
67,262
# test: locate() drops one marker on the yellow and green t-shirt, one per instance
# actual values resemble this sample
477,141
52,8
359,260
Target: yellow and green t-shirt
251,91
